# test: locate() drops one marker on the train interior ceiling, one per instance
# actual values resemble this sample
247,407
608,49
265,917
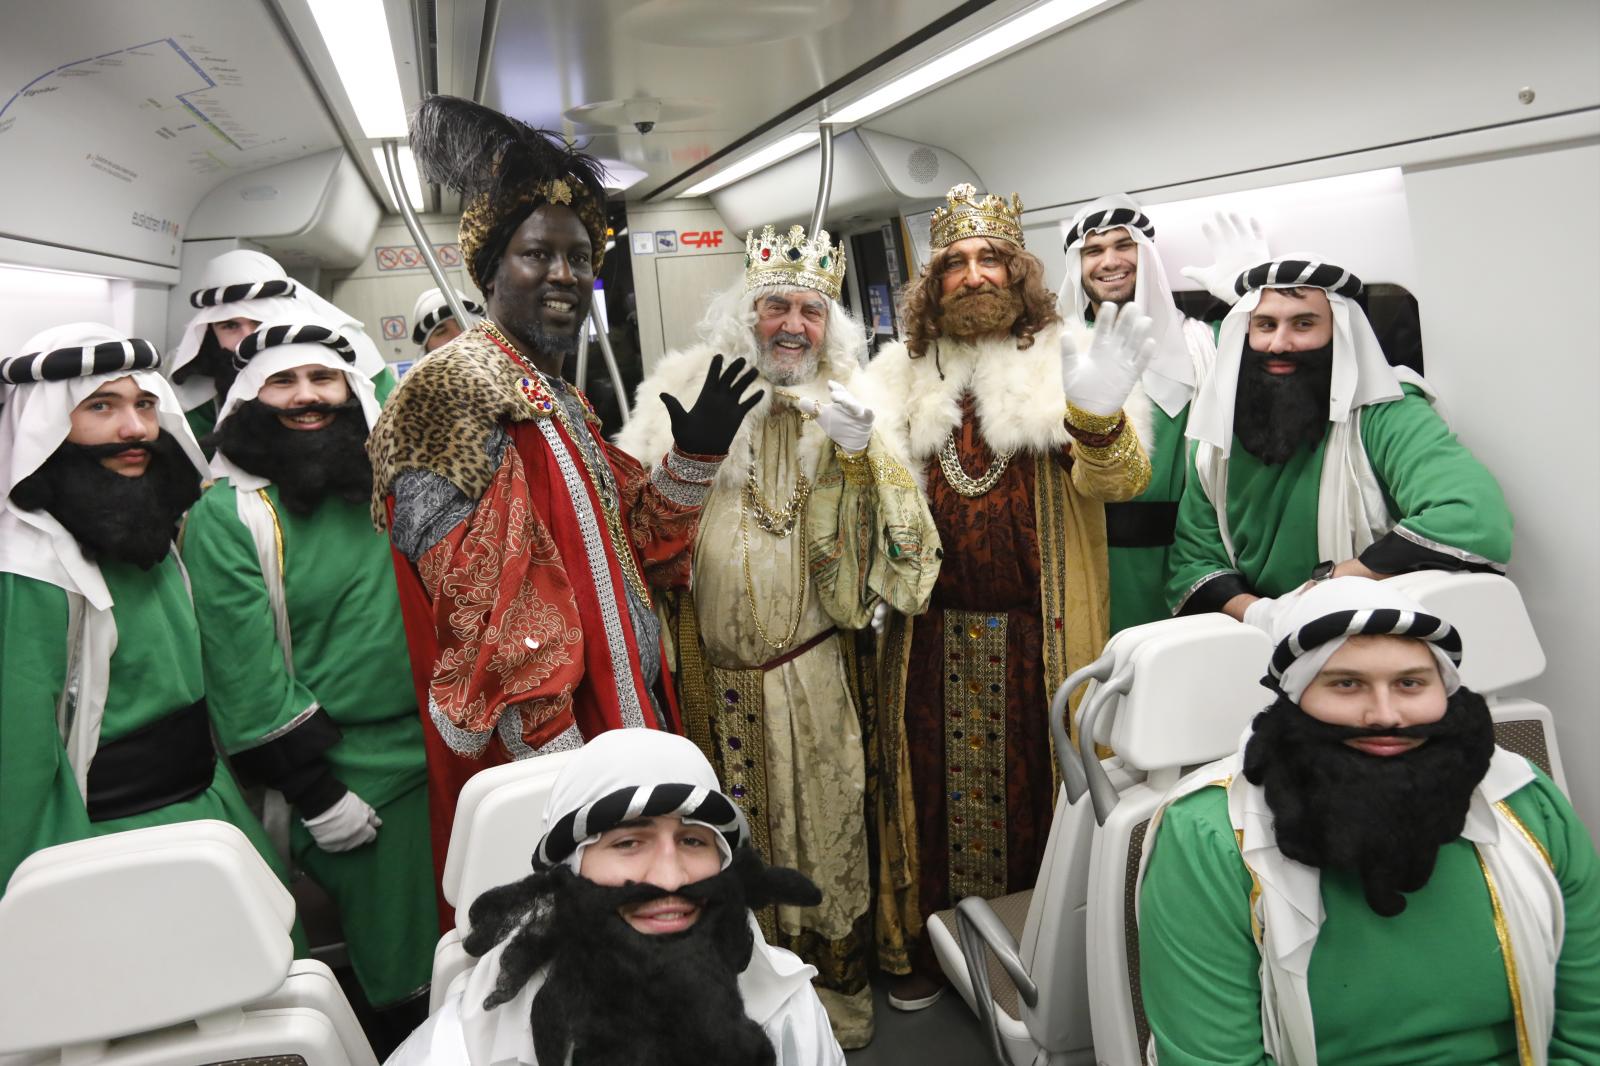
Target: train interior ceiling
1444,150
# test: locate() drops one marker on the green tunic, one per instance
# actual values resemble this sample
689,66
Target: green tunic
155,670
1428,986
350,657
1139,575
1431,482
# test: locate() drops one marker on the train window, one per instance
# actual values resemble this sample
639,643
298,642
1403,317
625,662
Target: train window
32,300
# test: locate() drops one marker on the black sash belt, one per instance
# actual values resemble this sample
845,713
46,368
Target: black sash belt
168,761
1141,523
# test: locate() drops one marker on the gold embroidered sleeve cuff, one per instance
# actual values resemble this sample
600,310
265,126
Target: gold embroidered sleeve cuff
1092,424
856,466
1125,453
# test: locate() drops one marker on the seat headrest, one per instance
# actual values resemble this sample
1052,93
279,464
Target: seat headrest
499,820
1196,685
152,927
1498,645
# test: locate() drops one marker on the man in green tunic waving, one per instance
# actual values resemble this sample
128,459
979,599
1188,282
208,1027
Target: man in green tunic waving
1370,881
1112,257
1312,456
103,716
306,664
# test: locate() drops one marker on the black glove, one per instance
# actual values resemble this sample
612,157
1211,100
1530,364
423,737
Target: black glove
709,426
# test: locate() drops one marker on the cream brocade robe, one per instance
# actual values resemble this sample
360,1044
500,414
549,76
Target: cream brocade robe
795,760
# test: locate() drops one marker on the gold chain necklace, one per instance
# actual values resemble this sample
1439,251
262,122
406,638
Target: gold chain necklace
778,523
599,474
750,589
957,477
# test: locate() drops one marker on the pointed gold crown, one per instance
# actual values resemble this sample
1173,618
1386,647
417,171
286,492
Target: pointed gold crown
968,216
792,259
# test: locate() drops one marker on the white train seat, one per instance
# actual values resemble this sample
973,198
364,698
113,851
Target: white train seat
1039,933
166,945
496,828
1187,696
1160,729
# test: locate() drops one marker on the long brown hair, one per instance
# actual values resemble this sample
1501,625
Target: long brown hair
919,300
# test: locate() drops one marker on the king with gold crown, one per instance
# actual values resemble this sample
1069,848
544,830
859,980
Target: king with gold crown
1021,431
811,523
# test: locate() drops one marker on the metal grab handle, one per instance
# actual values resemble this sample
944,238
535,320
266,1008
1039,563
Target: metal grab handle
1073,779
824,181
391,161
1102,793
978,927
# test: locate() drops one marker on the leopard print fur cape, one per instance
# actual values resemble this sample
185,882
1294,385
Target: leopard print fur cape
441,414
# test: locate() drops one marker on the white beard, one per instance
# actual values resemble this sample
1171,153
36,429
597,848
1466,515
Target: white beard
784,370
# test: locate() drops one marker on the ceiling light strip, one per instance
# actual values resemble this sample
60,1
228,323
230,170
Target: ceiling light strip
1020,30
356,33
772,153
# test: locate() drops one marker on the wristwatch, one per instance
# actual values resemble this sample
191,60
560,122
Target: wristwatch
1323,570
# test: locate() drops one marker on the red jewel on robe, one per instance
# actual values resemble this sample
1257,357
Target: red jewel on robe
536,395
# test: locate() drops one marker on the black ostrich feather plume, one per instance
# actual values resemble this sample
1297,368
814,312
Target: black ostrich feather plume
475,150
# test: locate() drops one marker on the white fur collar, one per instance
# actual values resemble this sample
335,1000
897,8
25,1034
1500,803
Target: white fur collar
1016,393
648,435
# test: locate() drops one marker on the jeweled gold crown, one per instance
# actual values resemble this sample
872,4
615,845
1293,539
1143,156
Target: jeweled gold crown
792,259
968,216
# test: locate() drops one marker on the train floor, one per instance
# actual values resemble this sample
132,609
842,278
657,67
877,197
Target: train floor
945,1034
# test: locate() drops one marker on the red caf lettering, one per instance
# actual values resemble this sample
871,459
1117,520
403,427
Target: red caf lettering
711,238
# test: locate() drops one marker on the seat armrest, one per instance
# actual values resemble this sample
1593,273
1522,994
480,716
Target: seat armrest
979,927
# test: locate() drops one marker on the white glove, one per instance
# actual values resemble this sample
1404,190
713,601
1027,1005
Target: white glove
847,421
1237,244
1265,612
880,617
1099,380
348,824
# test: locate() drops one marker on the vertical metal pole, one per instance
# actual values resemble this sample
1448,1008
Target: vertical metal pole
824,183
391,159
582,371
616,372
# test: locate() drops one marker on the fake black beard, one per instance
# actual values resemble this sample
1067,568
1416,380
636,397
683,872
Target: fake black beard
618,997
1275,415
1383,817
213,361
127,519
306,465
979,312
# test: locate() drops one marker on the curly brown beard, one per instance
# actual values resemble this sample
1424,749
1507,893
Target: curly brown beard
988,309
922,316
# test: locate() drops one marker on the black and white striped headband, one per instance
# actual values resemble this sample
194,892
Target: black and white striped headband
689,802
250,290
425,325
1110,218
1380,621
84,361
1291,273
277,336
